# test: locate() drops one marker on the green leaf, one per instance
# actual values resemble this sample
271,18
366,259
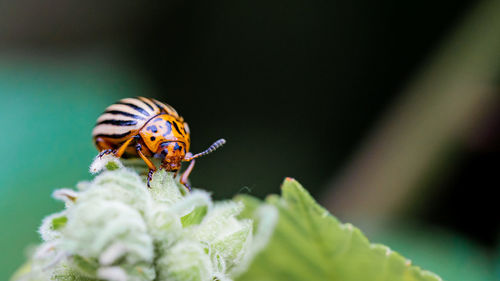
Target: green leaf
195,217
59,222
85,266
111,165
310,244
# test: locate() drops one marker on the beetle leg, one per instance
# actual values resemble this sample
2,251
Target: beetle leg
185,175
103,146
150,176
152,167
105,152
119,152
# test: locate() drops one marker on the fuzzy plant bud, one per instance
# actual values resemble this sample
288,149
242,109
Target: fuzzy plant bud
115,228
226,237
185,261
106,223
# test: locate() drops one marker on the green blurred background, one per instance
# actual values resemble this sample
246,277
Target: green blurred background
388,111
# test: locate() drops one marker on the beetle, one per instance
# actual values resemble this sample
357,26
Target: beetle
145,127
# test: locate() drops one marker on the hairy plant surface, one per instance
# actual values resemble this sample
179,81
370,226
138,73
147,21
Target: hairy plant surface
115,228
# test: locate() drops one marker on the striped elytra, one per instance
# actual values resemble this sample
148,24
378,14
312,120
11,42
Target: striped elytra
127,116
145,127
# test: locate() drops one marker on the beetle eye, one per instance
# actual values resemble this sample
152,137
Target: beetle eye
162,154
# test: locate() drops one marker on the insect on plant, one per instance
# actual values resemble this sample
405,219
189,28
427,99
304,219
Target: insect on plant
145,127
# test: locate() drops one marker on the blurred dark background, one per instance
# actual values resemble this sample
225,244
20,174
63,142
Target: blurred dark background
296,87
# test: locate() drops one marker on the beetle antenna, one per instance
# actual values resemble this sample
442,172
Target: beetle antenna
209,150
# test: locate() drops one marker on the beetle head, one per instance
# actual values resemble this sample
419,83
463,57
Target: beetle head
173,152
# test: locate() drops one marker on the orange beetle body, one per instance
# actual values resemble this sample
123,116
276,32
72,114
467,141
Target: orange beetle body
166,134
144,127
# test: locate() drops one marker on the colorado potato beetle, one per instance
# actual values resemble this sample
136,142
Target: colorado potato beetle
144,127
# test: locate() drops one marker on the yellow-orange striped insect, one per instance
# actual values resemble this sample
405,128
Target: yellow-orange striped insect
144,127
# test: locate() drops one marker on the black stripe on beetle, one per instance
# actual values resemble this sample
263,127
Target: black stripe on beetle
159,106
113,136
118,112
145,103
153,102
118,122
137,108
177,128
